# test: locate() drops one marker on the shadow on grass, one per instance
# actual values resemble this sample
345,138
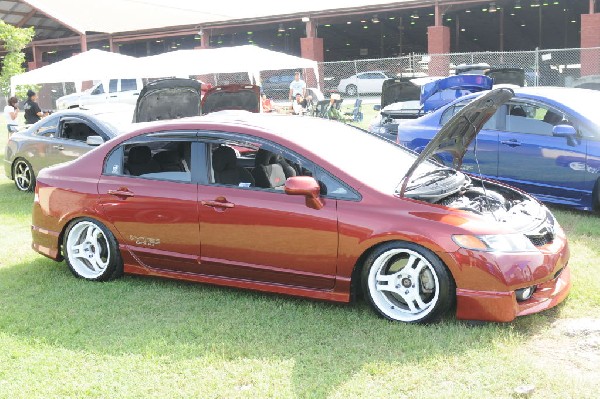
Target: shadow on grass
328,343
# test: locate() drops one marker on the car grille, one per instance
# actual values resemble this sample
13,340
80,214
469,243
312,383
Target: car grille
544,234
541,239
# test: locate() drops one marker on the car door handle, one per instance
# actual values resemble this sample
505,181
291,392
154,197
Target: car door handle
220,202
122,192
58,147
114,95
511,143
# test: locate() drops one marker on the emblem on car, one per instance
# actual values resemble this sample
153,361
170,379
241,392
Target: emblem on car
147,241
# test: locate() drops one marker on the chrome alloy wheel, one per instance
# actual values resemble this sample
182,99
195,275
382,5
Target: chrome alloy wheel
88,250
23,175
403,285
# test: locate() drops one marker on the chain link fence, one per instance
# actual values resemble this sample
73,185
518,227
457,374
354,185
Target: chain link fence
364,78
554,67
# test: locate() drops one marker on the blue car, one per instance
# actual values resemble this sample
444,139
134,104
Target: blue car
545,140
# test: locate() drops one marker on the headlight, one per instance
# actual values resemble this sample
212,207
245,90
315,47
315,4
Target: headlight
516,242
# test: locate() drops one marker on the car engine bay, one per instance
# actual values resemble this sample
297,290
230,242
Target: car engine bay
454,189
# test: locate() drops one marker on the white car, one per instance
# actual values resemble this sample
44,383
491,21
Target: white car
125,91
364,82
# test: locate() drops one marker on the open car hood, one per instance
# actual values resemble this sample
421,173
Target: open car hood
168,99
397,90
440,92
507,76
233,96
456,135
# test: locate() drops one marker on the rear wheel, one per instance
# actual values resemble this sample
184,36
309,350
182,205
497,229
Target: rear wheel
91,250
351,90
23,175
406,282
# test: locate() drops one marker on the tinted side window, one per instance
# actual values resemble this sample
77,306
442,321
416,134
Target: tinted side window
152,159
112,86
532,119
254,165
128,84
334,188
76,130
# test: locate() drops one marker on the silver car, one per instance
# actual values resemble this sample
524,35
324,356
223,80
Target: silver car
60,137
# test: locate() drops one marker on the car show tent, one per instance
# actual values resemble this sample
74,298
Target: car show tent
103,65
90,65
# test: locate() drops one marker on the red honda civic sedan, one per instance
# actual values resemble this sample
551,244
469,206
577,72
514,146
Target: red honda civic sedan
306,207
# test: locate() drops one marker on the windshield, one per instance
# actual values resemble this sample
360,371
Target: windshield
376,162
585,104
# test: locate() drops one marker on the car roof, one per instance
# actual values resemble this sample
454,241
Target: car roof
303,131
113,120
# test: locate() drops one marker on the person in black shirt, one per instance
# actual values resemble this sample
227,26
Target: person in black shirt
33,113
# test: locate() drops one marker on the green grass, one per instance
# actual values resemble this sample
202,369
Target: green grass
138,337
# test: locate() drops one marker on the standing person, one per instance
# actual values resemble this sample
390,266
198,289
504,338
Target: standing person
11,111
298,86
33,113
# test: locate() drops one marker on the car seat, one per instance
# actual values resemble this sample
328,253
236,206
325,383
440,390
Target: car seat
271,170
140,161
226,170
169,161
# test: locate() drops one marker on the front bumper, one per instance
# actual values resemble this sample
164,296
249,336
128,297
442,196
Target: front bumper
503,306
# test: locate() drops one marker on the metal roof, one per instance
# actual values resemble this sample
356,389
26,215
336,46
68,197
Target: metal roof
115,16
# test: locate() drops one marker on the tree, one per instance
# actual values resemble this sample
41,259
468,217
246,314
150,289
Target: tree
15,40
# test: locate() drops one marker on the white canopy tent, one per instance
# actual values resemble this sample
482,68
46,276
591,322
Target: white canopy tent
250,59
90,65
102,65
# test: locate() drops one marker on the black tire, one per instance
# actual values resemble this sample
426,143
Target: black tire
596,197
351,90
91,250
23,175
420,291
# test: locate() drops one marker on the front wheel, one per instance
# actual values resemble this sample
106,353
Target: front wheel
596,197
406,282
91,251
23,175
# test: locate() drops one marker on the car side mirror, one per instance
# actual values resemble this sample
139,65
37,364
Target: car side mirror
566,131
94,140
307,186
563,131
376,107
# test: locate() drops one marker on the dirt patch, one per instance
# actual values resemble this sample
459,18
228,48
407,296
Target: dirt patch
573,343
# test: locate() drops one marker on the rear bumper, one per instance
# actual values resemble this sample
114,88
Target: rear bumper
503,306
45,242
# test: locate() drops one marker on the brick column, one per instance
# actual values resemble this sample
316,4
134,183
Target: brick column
590,37
312,48
438,42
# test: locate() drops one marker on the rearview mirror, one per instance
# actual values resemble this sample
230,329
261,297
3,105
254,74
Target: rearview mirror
94,140
307,186
377,107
